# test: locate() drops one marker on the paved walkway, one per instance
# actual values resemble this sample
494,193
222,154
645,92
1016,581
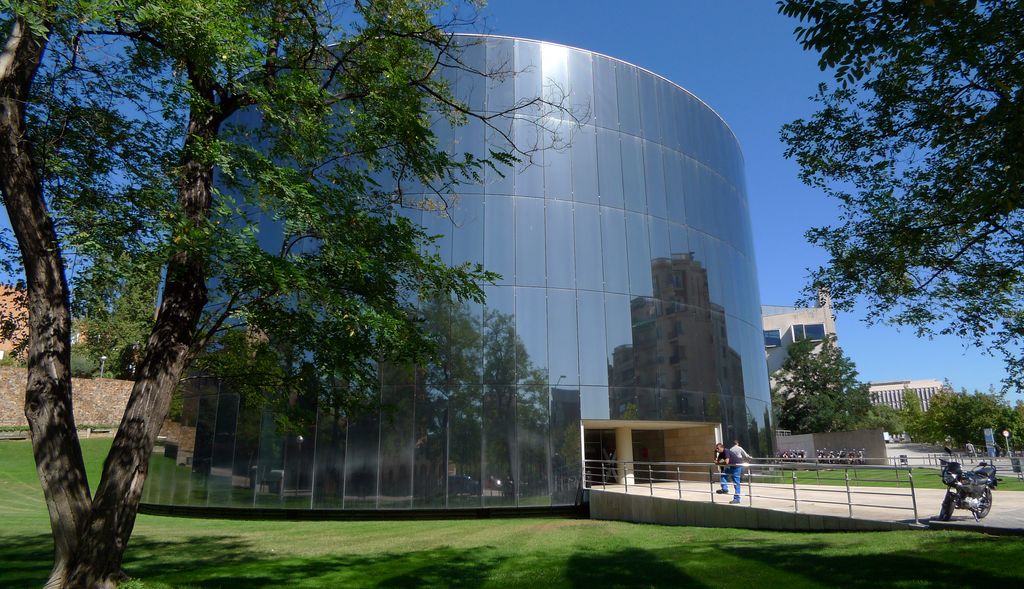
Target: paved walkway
893,504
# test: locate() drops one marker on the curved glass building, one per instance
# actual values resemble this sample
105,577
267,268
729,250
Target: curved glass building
626,323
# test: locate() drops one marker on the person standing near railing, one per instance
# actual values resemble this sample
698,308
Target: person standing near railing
740,452
731,468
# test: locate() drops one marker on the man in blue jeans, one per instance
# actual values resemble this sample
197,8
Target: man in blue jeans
729,462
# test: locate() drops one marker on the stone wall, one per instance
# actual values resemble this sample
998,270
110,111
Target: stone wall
97,401
692,444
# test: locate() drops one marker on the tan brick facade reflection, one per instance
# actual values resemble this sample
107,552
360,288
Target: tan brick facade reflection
97,401
14,313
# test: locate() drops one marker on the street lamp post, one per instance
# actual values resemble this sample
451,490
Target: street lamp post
103,363
1006,438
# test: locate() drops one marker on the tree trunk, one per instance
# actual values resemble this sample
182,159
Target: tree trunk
48,405
168,353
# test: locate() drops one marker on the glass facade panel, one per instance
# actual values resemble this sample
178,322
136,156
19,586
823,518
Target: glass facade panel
221,489
500,88
246,456
581,84
396,446
531,336
589,267
618,322
533,437
639,254
499,179
465,434
674,187
607,107
270,464
633,184
467,221
660,242
429,444
561,270
529,78
584,165
499,235
499,336
592,352
629,101
566,454
609,170
654,175
557,179
500,460
613,248
562,338
202,453
329,466
361,462
651,122
529,172
529,242
470,87
628,291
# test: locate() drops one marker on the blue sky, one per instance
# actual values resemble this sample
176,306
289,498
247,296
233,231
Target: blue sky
739,56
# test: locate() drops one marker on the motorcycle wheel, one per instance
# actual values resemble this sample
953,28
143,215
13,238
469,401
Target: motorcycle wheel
946,511
986,503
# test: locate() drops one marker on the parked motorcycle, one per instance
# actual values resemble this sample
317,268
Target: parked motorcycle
970,490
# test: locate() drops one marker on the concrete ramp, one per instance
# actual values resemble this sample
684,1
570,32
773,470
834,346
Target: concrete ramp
611,505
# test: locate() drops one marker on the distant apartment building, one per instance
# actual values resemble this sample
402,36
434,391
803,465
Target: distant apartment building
891,393
785,325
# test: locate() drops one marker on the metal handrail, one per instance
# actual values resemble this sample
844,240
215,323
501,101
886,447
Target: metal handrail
761,477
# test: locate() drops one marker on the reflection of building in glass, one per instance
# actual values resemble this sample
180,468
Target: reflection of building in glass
627,317
680,342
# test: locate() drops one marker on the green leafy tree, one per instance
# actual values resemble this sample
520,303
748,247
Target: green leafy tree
817,390
115,305
913,417
921,140
960,417
883,417
115,119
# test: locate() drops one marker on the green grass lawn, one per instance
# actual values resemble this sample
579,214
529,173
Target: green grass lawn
536,553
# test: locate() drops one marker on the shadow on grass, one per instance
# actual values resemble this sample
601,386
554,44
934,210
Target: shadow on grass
940,562
221,561
932,559
26,560
630,567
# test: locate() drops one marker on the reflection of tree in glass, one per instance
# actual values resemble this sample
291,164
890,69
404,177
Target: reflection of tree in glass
480,360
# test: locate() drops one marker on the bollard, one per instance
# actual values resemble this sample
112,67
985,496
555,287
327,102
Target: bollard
849,497
711,479
679,483
650,479
796,503
913,495
750,487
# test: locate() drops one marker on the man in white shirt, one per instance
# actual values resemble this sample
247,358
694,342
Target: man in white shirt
739,451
